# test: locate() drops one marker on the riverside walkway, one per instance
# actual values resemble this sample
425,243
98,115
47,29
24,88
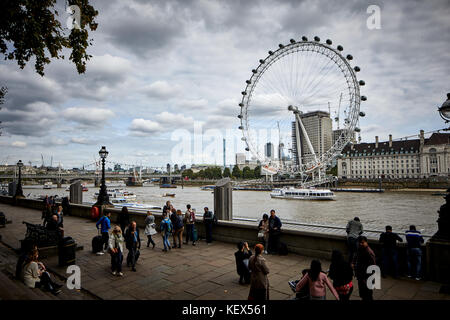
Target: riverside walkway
202,272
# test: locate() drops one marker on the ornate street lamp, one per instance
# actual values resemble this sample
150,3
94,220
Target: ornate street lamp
103,198
19,191
444,110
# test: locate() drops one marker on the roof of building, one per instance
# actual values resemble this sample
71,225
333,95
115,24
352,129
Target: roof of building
438,138
400,146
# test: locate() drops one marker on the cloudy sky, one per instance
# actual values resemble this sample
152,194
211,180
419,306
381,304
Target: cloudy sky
158,67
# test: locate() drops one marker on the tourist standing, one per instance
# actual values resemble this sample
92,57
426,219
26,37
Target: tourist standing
167,206
66,206
263,231
150,229
208,220
166,230
105,224
123,219
55,225
341,273
274,232
189,217
133,243
363,258
35,274
388,241
116,250
179,228
242,259
414,239
317,281
173,219
59,213
259,282
354,229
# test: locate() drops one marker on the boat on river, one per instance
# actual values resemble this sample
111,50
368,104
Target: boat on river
302,194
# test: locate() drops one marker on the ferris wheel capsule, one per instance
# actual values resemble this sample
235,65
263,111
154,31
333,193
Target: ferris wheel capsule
363,98
329,42
281,46
361,82
304,38
292,41
340,48
357,69
317,39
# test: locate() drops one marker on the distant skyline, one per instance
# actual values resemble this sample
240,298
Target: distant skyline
162,65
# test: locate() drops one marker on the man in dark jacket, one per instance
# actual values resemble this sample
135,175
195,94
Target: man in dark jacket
208,221
242,256
55,225
363,258
388,241
414,239
133,244
274,232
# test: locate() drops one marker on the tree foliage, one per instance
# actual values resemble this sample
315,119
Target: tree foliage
226,173
3,91
30,28
237,173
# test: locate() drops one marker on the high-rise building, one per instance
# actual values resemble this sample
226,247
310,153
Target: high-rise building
319,127
240,158
337,133
269,150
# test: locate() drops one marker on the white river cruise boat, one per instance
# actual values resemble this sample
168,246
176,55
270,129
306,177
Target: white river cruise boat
302,194
118,193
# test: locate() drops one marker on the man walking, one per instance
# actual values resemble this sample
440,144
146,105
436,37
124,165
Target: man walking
274,232
388,241
133,244
105,224
363,258
414,239
354,229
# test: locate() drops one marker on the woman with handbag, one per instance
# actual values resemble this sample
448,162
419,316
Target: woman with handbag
263,231
150,229
116,242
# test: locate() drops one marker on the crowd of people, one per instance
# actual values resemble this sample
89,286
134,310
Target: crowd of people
126,234
251,265
312,285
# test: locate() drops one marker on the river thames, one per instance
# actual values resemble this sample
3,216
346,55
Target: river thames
376,210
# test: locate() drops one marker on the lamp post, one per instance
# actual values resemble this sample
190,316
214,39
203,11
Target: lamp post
19,191
444,110
103,198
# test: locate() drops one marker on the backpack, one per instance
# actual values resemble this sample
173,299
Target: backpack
166,225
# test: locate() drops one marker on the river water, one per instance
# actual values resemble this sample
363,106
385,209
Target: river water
376,210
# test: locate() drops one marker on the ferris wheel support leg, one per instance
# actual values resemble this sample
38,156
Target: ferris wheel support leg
308,142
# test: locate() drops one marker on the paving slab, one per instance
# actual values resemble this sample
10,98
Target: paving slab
192,272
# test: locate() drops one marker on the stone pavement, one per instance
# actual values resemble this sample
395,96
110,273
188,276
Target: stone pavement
202,272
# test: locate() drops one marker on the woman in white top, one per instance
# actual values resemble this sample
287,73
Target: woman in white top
36,276
115,245
150,228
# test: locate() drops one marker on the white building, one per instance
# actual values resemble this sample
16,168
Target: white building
240,158
416,158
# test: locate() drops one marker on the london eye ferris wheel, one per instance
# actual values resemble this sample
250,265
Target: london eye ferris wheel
305,98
